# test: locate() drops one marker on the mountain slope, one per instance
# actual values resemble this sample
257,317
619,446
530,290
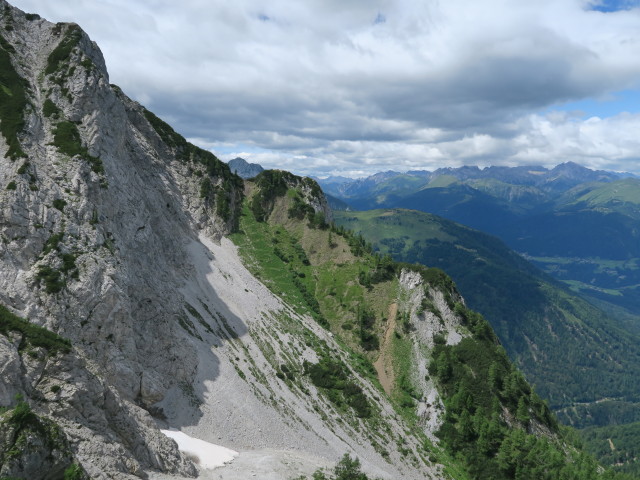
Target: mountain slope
542,326
127,309
577,224
408,329
97,210
110,221
582,362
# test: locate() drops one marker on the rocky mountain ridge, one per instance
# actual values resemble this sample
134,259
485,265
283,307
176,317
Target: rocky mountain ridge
560,178
79,242
127,307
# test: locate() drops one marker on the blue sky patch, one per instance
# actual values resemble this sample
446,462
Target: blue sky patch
615,5
624,101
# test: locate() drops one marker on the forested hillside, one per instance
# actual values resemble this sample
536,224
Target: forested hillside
578,358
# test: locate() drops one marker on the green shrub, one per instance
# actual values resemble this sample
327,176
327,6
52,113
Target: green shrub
23,168
346,469
206,188
22,416
334,378
299,210
223,204
52,279
74,472
52,242
317,220
59,204
50,109
368,339
60,55
11,185
33,334
69,264
308,296
439,280
66,138
88,64
13,101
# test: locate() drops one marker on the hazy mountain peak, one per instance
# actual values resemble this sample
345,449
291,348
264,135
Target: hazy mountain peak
245,169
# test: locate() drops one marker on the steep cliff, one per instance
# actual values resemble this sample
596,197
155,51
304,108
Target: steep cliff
99,201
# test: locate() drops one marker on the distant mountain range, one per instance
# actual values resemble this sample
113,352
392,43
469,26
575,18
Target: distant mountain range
560,178
578,224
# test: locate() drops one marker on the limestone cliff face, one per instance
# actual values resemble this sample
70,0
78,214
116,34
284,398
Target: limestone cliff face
429,316
92,188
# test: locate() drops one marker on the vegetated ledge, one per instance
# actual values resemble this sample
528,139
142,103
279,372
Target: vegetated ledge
33,334
13,101
32,444
66,138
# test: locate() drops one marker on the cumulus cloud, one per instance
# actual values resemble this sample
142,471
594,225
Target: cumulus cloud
328,86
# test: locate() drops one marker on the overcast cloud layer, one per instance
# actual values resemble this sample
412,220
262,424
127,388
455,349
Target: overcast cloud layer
358,86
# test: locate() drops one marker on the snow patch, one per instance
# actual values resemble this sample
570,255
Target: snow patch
208,455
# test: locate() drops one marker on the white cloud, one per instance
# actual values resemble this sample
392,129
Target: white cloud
327,85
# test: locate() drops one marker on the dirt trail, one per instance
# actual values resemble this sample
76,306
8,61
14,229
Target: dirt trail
384,364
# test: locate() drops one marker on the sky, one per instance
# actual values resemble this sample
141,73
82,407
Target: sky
354,87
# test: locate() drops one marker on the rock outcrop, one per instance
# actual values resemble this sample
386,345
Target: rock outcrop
99,201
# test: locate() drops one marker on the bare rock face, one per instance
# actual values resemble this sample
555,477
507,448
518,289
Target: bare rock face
34,447
98,199
431,317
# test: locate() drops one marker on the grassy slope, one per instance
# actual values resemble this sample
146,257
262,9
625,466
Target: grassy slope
316,272
295,260
542,326
622,196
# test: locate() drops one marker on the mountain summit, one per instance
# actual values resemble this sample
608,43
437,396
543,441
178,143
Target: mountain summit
244,169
